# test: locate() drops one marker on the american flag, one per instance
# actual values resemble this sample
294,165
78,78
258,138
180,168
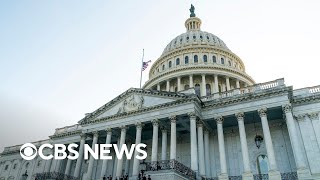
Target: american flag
145,65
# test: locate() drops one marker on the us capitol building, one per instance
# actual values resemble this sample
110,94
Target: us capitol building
202,117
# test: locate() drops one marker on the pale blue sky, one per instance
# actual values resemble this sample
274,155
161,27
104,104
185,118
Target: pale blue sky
61,59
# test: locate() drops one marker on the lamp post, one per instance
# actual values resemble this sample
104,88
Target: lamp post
258,140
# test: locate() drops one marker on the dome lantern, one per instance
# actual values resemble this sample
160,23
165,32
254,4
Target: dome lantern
193,23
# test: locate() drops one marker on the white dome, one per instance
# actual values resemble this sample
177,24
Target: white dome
195,38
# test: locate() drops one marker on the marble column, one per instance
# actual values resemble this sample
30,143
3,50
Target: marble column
216,84
173,138
203,85
207,153
191,81
228,84
168,86
48,163
122,142
302,170
91,160
105,161
247,174
127,164
315,121
164,144
193,142
179,84
135,171
223,162
80,158
154,154
237,83
273,171
68,167
202,170
158,86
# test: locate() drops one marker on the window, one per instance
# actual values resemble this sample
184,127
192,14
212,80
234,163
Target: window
186,87
163,66
177,61
187,38
39,163
205,58
208,89
229,63
214,59
27,165
195,58
197,89
6,168
186,60
194,37
201,37
14,166
170,64
208,38
222,61
263,164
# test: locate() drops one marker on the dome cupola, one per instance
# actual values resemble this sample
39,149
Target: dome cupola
200,60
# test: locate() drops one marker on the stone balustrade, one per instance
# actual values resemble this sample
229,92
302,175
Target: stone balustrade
278,83
308,91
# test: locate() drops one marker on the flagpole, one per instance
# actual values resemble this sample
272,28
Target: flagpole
141,67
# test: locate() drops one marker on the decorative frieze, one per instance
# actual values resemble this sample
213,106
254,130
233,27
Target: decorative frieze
314,115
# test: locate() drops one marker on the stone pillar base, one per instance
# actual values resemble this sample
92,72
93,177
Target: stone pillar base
304,173
247,176
223,177
274,175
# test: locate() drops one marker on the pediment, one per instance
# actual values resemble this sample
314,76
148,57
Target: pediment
133,100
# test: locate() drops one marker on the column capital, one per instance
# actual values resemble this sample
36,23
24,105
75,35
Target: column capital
287,108
219,119
199,123
83,136
123,128
163,129
109,131
300,117
155,122
192,115
313,115
95,133
139,125
239,116
173,119
262,112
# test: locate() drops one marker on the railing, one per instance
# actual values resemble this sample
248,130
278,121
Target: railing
251,89
284,176
55,176
17,147
308,91
67,129
171,165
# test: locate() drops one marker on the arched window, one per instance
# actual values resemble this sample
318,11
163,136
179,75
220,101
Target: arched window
197,89
205,58
170,64
229,63
163,67
195,58
222,61
186,60
208,89
177,61
263,164
186,87
214,59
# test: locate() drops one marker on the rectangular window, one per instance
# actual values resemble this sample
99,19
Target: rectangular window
6,168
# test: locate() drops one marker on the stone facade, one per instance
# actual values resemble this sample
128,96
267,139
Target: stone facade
233,129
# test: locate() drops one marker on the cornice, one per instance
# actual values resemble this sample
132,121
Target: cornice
62,135
306,100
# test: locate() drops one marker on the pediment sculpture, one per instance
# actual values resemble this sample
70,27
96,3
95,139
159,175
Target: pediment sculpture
132,103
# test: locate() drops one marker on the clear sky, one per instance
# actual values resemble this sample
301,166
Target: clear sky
61,59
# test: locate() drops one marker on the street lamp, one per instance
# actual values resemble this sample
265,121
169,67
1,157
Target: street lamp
258,140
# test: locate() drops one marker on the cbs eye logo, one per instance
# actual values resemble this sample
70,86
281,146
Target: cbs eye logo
28,151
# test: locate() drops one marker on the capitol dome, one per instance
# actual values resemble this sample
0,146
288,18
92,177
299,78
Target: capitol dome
200,60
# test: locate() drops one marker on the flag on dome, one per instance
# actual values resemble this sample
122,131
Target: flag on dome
145,65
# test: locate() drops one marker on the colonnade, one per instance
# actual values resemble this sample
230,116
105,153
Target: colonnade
225,85
199,146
